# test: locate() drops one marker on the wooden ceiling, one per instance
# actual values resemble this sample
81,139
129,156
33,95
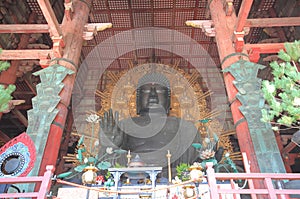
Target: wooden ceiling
124,15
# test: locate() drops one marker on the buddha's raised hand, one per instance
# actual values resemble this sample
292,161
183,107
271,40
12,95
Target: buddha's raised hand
109,128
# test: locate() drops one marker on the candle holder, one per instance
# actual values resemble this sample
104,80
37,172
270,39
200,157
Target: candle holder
169,166
196,173
128,158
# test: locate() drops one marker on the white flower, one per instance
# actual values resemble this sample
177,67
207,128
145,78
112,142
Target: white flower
176,180
271,88
86,160
296,101
93,118
96,143
197,164
109,150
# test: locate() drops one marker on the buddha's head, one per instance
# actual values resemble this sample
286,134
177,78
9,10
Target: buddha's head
153,94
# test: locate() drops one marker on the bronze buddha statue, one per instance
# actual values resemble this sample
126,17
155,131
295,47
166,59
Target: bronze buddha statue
153,132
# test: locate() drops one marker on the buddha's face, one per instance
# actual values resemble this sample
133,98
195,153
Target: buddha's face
154,96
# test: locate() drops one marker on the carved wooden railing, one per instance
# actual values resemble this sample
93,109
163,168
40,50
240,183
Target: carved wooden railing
269,191
44,182
267,180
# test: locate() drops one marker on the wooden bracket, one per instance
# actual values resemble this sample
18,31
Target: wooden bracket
68,10
58,45
239,41
254,54
44,62
285,152
205,25
50,17
254,50
91,29
228,7
54,27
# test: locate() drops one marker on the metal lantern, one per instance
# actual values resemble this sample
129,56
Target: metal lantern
189,191
196,173
89,176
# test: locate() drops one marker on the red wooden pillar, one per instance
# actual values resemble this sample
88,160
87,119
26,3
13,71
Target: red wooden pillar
72,30
64,148
224,27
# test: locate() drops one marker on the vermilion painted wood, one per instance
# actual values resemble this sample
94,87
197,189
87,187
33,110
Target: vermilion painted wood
55,30
243,15
9,76
247,169
224,26
23,195
45,181
265,48
212,182
268,188
25,54
72,36
268,192
240,24
212,178
24,28
274,176
20,179
273,22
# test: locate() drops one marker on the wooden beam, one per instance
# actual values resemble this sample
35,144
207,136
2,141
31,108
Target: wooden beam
4,137
289,157
20,116
9,76
50,17
23,107
68,9
265,48
280,30
273,22
240,24
262,22
30,85
24,28
243,15
284,156
25,54
20,92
